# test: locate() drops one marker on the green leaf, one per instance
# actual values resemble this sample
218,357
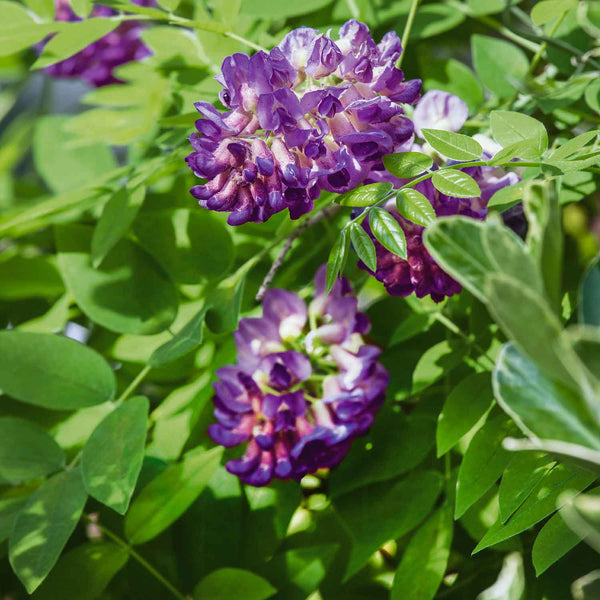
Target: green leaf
274,9
26,451
337,257
500,65
72,38
415,207
437,361
373,516
511,583
543,501
64,163
541,406
589,295
453,182
547,10
231,584
486,7
424,561
44,526
570,147
129,293
582,515
81,8
18,30
365,195
53,371
407,164
464,407
483,463
553,541
112,457
170,494
117,216
184,341
433,19
363,246
523,473
43,8
84,572
223,305
524,149
172,45
189,244
388,231
29,277
453,145
10,506
509,127
169,5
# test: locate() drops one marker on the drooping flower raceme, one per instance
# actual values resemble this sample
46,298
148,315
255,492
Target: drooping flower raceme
420,273
95,64
313,114
305,385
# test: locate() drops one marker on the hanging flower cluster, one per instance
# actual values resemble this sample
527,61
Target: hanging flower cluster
95,63
420,273
313,114
304,386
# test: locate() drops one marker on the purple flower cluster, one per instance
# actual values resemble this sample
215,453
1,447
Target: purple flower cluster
420,273
304,386
95,63
313,114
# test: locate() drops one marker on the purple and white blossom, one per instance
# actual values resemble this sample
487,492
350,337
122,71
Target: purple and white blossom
314,114
439,110
305,385
95,64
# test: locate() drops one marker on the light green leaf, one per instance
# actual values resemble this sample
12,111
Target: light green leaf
415,207
112,457
524,149
337,257
184,341
388,231
455,183
547,10
18,30
83,572
464,407
72,38
511,583
170,494
232,584
407,164
363,246
169,5
53,371
483,463
570,147
453,145
26,451
372,513
30,277
500,65
44,526
117,216
425,559
64,163
129,293
509,127
365,195
81,8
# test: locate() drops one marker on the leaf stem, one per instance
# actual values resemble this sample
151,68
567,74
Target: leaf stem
133,385
239,38
140,559
407,29
544,45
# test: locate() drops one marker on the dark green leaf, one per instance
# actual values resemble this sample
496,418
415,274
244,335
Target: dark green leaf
387,231
365,195
363,246
453,182
436,361
26,451
44,526
52,371
337,257
415,207
112,457
553,541
30,277
453,145
232,584
589,295
407,164
170,494
223,305
10,506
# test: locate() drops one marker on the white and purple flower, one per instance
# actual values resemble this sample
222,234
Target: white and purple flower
304,387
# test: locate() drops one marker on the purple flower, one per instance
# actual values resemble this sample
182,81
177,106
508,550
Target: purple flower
95,64
439,110
304,387
313,114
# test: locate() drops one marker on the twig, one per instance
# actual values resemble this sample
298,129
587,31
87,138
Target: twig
328,211
407,29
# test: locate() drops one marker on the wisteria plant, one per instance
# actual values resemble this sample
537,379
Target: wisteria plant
299,300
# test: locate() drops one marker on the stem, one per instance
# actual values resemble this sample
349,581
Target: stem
407,28
140,559
238,38
325,212
133,385
538,55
